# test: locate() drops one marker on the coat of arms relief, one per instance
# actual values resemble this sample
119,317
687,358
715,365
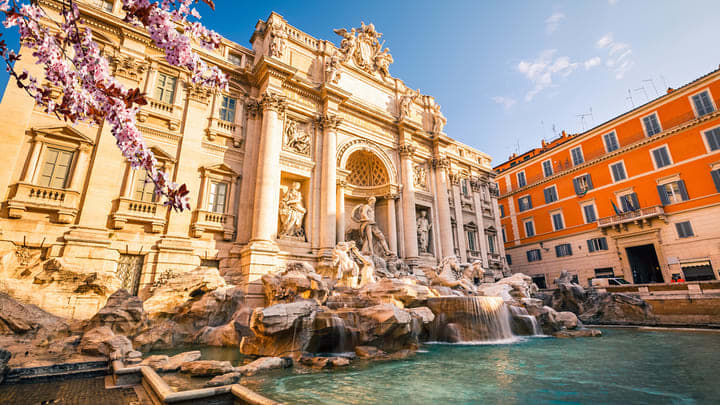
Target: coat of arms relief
362,46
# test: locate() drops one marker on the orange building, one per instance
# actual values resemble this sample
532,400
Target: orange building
636,197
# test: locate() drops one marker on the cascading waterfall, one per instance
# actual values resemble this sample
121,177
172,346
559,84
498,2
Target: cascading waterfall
470,319
521,313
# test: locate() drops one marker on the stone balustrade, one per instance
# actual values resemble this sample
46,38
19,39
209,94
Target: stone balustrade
208,221
27,196
217,127
151,213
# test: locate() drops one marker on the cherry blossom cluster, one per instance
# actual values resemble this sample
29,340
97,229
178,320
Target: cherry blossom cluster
74,66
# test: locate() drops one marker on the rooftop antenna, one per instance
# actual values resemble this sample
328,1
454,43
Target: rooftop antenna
517,145
582,118
554,130
629,97
653,85
644,92
664,82
542,125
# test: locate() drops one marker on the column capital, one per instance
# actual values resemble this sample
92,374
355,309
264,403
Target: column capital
392,195
407,150
254,109
454,178
273,102
329,121
441,163
85,147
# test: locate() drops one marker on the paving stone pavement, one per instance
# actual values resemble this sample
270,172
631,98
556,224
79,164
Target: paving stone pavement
89,391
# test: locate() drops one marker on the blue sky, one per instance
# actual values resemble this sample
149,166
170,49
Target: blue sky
507,72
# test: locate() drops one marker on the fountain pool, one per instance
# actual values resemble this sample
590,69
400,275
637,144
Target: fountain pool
624,366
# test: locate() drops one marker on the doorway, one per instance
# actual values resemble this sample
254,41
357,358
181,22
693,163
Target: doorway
644,264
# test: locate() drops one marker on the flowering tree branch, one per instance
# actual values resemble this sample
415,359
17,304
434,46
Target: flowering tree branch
74,65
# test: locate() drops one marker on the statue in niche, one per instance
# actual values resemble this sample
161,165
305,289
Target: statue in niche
296,140
369,231
420,177
292,213
406,101
332,69
423,232
439,119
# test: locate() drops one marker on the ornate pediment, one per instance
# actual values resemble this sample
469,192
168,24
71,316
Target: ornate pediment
362,46
63,132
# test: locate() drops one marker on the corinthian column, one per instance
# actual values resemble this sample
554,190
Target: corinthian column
441,166
267,182
328,183
408,204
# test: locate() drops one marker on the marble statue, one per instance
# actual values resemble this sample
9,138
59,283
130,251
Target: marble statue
347,268
277,44
332,69
362,46
449,274
296,140
348,43
369,231
292,213
439,119
420,177
383,60
367,270
405,102
423,232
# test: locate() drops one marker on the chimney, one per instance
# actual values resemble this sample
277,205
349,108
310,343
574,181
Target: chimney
564,134
544,144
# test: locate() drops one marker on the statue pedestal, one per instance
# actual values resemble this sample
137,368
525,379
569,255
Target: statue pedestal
257,259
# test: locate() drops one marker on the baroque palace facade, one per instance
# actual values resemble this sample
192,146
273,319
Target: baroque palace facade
280,168
636,197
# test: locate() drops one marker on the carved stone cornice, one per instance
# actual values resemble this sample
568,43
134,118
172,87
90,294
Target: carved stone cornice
273,102
128,67
329,121
197,92
440,163
407,151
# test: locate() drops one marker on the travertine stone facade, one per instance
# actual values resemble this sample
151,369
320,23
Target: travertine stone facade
308,131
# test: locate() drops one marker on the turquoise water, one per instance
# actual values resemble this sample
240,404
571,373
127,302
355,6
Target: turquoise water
622,367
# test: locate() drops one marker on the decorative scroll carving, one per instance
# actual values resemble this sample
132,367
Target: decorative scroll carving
362,46
420,177
439,119
292,213
254,109
273,102
295,139
441,163
127,66
332,69
329,122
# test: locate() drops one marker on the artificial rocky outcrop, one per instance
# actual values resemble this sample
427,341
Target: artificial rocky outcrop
298,281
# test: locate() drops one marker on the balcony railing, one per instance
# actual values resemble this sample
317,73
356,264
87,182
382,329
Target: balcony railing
632,216
27,196
217,127
151,213
169,113
208,221
592,154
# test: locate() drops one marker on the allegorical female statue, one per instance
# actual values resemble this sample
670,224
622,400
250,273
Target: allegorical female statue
292,212
423,232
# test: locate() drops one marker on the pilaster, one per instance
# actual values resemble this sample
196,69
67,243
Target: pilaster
408,204
440,166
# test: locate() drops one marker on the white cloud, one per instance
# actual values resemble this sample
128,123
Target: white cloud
613,2
553,22
619,55
506,102
540,71
592,62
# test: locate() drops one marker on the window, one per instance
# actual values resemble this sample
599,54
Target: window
539,281
547,168
582,184
716,179
703,104
590,214
651,124
629,202
508,259
673,192
661,157
597,244
235,59
55,168
618,171
529,229
524,203
165,90
577,156
563,250
227,109
104,5
684,229
491,242
604,272
700,270
557,220
534,255
504,235
611,142
713,138
471,239
144,187
218,192
550,194
521,179
464,187
502,210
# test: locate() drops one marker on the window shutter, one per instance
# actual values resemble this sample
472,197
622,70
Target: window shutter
589,181
576,184
635,203
603,244
547,195
591,248
716,179
558,253
529,202
529,256
664,200
568,249
683,190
